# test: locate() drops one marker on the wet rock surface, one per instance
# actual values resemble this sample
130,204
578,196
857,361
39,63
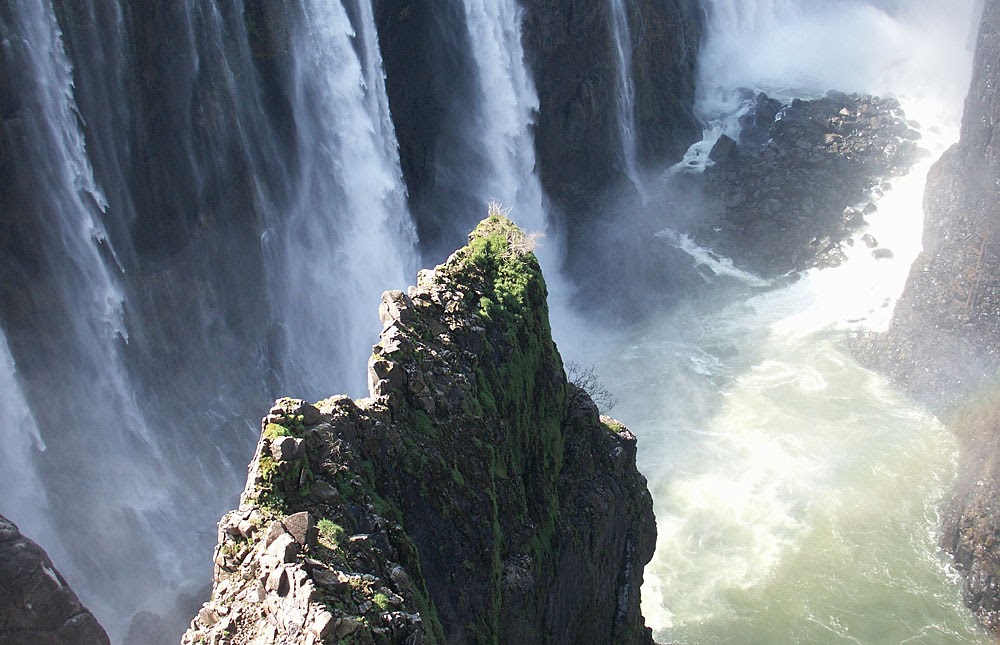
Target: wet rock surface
570,47
37,607
475,495
802,178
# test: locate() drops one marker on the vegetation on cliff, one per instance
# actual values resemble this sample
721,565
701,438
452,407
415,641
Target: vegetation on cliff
475,496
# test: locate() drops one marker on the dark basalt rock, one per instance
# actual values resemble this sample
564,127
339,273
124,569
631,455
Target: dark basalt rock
796,186
571,51
476,496
570,48
37,607
429,82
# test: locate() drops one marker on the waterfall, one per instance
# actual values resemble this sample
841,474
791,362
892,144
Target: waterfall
203,201
209,203
880,48
24,494
785,48
625,102
348,235
505,105
83,333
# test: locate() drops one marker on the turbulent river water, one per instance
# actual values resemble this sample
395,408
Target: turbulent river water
796,493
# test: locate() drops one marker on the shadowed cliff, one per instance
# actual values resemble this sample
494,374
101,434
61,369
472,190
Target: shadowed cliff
37,607
569,51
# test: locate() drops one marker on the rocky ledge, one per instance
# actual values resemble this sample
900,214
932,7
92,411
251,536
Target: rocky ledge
475,496
37,607
802,178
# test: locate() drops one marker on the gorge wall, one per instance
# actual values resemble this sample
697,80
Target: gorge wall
475,496
569,53
944,341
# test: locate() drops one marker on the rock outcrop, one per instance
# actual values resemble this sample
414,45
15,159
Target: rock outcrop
944,341
475,496
789,196
37,607
801,179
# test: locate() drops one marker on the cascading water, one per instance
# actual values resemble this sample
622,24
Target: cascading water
504,112
349,196
625,102
20,482
254,213
796,494
84,332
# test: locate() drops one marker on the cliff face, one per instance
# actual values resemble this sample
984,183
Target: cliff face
569,50
944,341
37,607
475,496
945,337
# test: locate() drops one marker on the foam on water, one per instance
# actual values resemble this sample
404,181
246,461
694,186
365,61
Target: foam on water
719,265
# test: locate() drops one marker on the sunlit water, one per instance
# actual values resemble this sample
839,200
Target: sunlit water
797,494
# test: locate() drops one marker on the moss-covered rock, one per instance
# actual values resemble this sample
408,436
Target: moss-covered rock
475,496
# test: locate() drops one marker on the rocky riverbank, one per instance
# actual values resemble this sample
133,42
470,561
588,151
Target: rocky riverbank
475,496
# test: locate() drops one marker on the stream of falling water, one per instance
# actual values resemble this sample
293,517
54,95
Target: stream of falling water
626,91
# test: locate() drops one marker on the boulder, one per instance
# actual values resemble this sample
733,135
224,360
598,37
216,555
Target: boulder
797,186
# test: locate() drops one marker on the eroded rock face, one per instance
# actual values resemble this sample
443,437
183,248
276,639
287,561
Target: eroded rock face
37,607
944,342
475,496
570,45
